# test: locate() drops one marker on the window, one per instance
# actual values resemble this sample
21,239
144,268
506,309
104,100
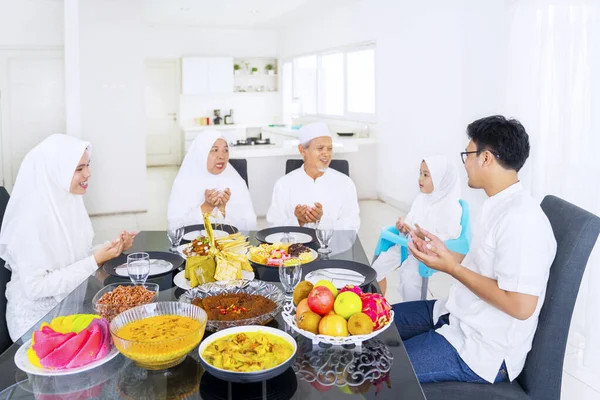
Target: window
305,83
331,84
339,84
361,81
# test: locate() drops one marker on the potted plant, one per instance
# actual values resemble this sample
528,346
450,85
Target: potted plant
254,70
236,69
270,69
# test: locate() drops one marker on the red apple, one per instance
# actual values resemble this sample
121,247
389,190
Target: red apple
320,300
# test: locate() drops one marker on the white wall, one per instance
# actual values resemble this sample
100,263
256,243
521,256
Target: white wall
438,68
174,42
35,23
111,71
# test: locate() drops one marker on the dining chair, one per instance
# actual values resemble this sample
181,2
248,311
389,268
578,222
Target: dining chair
5,341
241,166
339,165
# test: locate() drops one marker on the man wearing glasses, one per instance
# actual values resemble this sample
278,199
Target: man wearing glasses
483,331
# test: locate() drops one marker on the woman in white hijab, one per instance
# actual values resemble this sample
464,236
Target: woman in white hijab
207,183
436,209
46,236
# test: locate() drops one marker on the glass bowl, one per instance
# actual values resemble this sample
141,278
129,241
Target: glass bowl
266,289
110,311
154,353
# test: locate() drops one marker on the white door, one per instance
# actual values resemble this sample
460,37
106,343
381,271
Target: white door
32,101
163,137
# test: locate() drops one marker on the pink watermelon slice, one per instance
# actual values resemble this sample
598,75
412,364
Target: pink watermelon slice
90,349
47,340
107,342
63,354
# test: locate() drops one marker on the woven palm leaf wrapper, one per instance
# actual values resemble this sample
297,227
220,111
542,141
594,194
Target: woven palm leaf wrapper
225,260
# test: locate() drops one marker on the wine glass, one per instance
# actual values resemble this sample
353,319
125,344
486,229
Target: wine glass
324,235
175,233
289,274
138,267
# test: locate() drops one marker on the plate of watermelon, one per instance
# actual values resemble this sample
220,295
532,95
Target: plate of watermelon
67,345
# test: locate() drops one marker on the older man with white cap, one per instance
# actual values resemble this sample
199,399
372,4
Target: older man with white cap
315,191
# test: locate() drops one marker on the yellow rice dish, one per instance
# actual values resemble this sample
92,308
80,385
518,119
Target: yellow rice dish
160,338
248,352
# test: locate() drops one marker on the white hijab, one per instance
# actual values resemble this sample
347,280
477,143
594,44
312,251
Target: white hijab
45,225
439,212
194,178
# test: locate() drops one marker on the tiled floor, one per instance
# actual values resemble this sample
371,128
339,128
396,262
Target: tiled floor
374,215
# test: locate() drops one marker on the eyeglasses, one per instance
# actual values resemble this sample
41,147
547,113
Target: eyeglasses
464,154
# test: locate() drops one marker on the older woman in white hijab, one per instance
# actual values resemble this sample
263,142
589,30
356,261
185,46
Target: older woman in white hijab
436,209
46,236
207,183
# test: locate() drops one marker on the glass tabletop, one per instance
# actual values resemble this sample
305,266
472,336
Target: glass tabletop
379,368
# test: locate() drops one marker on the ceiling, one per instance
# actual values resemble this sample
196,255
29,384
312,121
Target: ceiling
267,14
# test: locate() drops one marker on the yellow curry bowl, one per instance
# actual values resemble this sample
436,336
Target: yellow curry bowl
159,335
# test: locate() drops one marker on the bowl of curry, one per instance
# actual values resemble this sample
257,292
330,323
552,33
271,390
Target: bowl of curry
159,335
247,353
236,303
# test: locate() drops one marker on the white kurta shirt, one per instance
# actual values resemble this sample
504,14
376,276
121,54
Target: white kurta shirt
334,190
515,245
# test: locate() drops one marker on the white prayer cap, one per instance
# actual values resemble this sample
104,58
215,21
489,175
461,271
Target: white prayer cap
312,131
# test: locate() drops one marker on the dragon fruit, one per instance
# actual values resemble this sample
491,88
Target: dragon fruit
377,308
70,342
352,288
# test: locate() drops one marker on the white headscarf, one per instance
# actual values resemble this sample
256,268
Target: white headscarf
439,212
45,224
194,178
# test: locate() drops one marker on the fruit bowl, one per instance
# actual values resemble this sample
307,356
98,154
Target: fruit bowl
156,353
289,316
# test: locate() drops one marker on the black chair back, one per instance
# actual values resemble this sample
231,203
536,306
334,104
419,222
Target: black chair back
339,165
241,166
576,231
5,341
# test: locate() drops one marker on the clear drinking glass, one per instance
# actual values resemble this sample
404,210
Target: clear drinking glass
175,233
289,274
287,238
324,235
138,267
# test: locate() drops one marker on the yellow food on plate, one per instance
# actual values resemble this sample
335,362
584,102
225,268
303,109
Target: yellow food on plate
248,352
276,254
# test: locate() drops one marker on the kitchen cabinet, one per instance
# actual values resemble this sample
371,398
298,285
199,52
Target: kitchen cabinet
206,75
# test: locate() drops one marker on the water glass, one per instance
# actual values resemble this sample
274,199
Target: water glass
324,235
287,238
138,267
289,274
175,234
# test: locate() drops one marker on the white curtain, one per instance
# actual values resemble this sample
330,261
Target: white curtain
553,87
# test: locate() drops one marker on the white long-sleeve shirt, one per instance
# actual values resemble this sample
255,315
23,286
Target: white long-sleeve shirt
34,290
334,190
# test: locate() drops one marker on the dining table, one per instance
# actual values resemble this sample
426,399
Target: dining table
379,368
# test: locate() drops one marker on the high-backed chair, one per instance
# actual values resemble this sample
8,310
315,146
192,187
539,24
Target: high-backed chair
241,166
339,165
5,341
